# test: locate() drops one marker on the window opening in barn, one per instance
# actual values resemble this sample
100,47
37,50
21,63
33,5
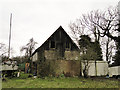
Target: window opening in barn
67,45
52,44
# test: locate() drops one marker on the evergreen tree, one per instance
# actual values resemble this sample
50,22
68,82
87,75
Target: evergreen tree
97,50
86,45
117,55
89,51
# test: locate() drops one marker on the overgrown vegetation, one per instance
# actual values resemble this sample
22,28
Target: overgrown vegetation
46,69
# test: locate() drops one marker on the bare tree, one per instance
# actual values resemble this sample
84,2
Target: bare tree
83,26
3,49
109,24
99,24
29,47
110,49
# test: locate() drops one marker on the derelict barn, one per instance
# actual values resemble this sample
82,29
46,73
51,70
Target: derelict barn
61,51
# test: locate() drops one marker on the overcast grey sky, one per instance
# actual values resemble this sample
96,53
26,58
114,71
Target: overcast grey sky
40,18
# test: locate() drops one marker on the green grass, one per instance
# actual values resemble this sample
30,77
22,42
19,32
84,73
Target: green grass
59,83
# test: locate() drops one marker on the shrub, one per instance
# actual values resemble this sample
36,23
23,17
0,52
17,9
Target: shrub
46,69
62,75
25,75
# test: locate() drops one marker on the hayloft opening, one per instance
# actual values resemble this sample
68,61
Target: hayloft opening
67,45
52,44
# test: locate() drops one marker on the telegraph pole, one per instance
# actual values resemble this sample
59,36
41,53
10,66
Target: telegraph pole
10,36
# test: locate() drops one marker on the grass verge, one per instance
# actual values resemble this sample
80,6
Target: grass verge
60,83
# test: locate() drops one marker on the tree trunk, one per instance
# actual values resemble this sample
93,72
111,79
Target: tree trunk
107,47
95,68
80,68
